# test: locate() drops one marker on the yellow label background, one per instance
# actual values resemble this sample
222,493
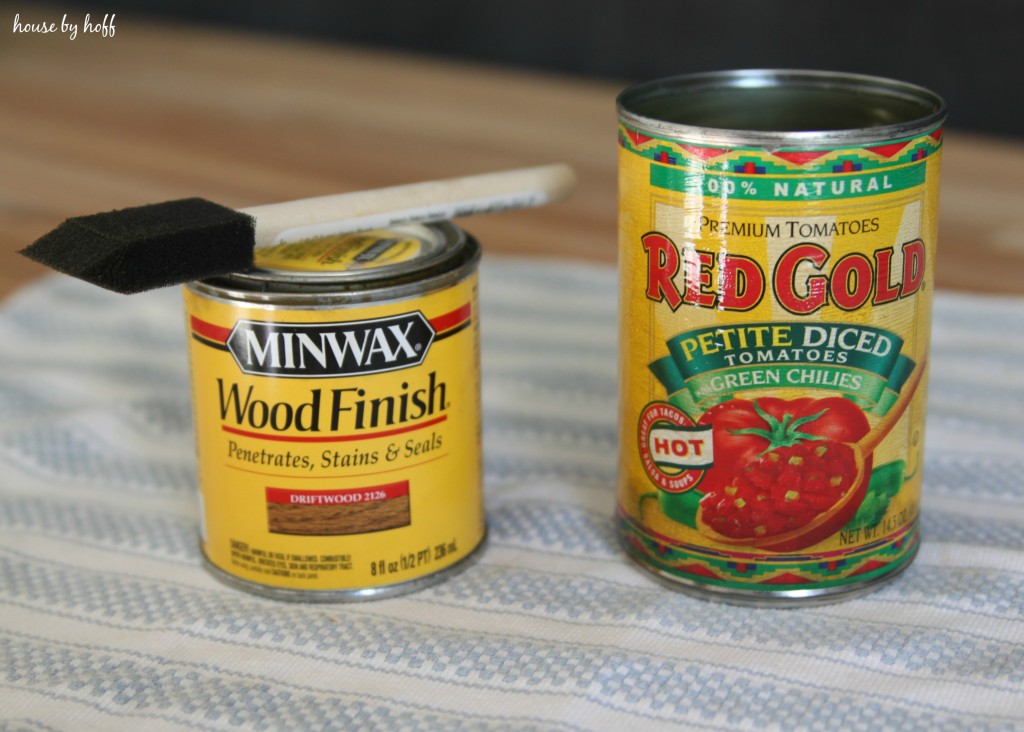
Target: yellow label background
645,326
445,485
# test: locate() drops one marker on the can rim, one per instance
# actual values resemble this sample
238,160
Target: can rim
932,105
456,255
439,242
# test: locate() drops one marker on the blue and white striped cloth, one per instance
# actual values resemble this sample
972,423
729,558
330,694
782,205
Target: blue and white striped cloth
108,622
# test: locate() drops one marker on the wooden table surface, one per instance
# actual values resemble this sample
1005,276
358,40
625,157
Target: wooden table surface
157,112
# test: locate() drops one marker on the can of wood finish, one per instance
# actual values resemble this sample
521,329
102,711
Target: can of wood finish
336,395
777,244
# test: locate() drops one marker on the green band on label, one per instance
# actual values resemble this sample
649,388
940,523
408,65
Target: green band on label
709,365
787,188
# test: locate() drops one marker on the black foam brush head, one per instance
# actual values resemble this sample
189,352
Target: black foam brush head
135,249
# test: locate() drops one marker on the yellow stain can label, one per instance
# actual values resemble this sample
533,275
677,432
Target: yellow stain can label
337,423
775,309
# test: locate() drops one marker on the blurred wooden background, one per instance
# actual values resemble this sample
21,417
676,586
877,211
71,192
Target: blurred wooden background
163,110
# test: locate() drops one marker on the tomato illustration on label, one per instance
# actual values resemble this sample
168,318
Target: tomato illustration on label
785,476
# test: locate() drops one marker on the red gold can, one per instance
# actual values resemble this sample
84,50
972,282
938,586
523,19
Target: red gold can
777,245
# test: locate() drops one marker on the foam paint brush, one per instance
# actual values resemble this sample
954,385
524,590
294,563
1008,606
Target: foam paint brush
135,249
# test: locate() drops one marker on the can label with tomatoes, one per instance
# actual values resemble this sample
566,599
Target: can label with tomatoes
777,244
337,414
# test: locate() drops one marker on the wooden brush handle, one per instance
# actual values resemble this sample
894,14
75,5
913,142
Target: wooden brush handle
279,223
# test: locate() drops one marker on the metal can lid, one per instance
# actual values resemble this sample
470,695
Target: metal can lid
361,256
780,107
401,259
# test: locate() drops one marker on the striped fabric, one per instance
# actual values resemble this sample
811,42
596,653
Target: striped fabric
107,621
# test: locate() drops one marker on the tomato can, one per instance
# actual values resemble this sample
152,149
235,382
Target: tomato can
777,235
336,394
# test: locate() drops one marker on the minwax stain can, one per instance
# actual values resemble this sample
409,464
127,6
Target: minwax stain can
337,414
777,245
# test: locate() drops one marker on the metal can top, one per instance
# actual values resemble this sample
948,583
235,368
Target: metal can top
356,267
780,107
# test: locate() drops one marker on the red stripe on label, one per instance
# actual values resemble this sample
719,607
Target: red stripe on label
449,320
335,438
887,151
347,497
800,157
209,331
